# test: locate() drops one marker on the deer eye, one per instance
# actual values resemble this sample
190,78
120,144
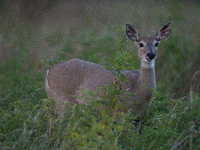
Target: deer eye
156,44
141,45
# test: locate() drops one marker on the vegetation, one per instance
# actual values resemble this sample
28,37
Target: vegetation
28,46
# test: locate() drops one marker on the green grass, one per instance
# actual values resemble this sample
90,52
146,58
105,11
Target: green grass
28,47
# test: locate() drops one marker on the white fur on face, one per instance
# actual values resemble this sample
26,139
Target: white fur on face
146,64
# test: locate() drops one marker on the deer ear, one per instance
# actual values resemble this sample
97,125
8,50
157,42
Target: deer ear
132,33
164,32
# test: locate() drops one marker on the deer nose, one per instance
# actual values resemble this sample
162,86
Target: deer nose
150,56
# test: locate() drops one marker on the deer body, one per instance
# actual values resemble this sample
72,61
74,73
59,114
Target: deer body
69,77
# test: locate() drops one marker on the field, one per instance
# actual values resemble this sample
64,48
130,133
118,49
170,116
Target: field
34,36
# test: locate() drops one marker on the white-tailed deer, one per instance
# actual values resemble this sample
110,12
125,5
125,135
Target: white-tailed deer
68,78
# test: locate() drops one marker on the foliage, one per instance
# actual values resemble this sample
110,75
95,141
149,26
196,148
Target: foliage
27,119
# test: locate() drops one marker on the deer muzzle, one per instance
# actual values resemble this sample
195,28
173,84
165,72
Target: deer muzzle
150,56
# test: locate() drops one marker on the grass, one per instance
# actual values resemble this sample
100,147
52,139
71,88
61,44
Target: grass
29,46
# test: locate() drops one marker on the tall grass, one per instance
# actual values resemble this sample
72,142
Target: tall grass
95,33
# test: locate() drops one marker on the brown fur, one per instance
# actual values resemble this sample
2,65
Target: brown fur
69,78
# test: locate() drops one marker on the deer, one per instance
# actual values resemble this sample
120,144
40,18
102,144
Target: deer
68,78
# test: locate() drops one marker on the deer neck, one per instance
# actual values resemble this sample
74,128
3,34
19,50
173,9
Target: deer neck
147,80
